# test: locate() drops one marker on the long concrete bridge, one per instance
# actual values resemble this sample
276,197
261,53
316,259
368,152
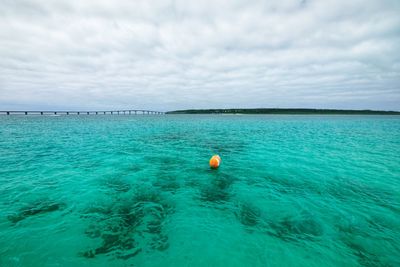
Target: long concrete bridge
103,112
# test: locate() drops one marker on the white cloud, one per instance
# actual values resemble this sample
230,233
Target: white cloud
199,54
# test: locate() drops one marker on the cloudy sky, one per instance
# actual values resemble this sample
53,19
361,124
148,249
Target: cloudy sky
165,55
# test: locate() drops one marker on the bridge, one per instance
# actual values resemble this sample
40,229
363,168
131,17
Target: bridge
103,112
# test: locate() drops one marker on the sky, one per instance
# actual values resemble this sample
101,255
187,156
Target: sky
167,55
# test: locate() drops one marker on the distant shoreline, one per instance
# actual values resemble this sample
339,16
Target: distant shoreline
287,111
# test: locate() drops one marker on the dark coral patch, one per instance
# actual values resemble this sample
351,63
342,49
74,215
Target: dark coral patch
248,214
303,227
35,208
133,224
218,190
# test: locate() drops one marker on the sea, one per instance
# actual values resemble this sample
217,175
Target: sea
137,190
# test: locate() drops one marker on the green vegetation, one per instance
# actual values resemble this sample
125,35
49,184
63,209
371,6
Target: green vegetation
299,111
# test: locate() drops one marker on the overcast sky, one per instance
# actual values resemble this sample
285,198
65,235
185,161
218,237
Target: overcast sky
165,55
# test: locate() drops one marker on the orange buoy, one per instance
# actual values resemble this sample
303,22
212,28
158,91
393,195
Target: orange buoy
215,161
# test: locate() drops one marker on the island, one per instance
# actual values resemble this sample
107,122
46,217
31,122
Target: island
292,111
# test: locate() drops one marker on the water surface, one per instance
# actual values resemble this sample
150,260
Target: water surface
137,191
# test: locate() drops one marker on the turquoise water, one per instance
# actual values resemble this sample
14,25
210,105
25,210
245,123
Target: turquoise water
138,191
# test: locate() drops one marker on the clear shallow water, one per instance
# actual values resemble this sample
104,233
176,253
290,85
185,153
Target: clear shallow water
137,191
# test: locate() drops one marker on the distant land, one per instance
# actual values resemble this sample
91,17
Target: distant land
298,111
